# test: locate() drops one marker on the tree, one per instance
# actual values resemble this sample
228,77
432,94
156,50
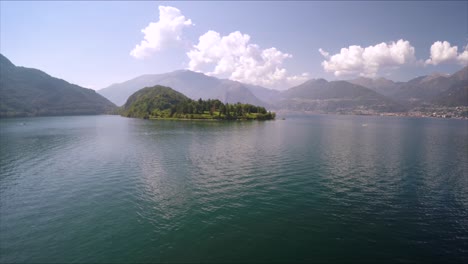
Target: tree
212,110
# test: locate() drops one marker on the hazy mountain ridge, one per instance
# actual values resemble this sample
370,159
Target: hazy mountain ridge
456,95
193,84
381,85
420,90
31,92
336,96
267,95
386,95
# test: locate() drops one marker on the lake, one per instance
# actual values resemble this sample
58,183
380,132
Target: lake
321,188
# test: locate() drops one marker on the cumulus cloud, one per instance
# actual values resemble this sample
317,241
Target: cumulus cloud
233,55
463,57
369,60
159,34
443,52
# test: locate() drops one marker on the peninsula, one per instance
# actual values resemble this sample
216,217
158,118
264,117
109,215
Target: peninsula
161,102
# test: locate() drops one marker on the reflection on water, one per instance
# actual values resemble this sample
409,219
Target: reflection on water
318,188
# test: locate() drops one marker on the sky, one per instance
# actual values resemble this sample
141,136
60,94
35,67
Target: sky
274,44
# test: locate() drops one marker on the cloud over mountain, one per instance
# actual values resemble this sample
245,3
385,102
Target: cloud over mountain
161,33
369,60
443,52
234,56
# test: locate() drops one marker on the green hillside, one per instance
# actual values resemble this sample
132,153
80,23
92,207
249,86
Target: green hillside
31,92
160,102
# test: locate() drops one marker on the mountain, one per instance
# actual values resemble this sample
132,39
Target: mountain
461,75
269,96
456,95
380,94
193,84
31,92
434,76
422,89
234,92
380,85
425,89
336,96
145,100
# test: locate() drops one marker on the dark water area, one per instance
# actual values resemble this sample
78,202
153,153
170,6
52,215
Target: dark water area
322,188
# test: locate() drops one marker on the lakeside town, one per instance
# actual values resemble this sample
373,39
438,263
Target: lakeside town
459,112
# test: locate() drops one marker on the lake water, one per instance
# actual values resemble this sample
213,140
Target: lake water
322,188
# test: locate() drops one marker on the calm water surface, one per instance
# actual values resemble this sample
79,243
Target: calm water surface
318,188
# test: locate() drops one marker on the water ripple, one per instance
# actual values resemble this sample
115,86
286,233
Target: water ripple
322,189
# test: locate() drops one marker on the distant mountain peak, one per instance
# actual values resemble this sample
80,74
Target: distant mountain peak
461,75
5,62
317,81
383,79
438,74
364,78
434,75
193,84
183,71
187,71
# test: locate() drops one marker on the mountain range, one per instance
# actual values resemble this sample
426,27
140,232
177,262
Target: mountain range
337,96
31,92
193,84
379,95
422,90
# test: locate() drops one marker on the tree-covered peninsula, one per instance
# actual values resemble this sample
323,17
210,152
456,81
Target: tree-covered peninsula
160,102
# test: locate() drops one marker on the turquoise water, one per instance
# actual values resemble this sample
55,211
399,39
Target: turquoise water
322,188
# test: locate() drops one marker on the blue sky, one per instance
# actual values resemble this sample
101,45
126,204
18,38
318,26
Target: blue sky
276,45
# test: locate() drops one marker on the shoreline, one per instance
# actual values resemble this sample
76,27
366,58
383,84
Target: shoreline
200,119
281,114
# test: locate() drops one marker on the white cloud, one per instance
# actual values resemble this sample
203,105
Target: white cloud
234,56
443,52
369,60
324,53
297,79
162,33
463,57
